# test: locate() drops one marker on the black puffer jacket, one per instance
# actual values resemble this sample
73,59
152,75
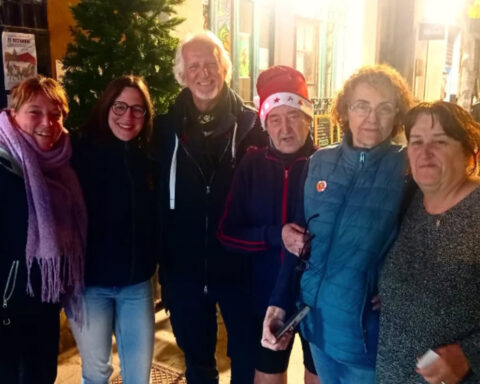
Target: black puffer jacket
116,181
15,303
200,181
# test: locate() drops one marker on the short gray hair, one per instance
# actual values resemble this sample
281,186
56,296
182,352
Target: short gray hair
207,37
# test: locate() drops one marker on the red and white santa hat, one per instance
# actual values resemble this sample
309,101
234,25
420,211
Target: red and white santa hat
282,85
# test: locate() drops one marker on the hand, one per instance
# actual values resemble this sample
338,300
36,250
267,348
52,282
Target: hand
450,368
294,237
376,304
274,320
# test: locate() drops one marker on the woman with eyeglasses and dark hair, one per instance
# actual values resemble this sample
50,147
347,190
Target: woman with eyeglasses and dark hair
115,172
352,195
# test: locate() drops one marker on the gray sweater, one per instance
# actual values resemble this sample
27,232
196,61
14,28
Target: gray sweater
430,290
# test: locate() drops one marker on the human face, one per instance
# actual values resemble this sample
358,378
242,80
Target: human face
42,119
436,159
204,74
127,126
367,115
288,128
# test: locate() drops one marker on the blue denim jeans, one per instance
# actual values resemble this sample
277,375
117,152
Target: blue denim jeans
126,311
331,371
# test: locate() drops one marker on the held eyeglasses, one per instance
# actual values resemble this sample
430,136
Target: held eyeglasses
119,108
304,254
363,108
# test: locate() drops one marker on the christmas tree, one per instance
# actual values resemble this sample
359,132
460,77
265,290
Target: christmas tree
119,37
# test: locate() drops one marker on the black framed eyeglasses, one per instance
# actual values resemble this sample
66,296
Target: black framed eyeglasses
304,255
119,108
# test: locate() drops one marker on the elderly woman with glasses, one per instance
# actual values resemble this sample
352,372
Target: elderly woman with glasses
352,195
114,170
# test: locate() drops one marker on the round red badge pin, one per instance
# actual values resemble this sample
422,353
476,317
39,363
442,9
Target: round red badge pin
321,186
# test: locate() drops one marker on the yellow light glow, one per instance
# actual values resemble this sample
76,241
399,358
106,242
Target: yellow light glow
308,7
474,10
442,11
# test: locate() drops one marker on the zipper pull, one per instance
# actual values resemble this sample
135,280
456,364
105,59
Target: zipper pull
205,289
365,340
362,158
207,190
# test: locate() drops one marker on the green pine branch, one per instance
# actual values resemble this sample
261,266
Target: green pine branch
116,37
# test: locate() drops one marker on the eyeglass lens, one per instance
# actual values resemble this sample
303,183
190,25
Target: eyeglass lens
120,108
364,108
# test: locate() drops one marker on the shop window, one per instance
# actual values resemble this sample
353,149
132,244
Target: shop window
306,52
24,13
265,54
244,40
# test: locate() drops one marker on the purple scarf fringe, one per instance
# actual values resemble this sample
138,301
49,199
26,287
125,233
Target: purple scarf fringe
57,219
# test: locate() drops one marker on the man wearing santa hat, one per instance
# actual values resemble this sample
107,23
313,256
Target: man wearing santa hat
200,142
264,196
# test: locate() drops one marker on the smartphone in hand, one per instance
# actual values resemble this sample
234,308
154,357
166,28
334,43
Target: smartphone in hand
293,321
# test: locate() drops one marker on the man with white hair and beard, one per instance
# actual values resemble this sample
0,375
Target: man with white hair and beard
199,143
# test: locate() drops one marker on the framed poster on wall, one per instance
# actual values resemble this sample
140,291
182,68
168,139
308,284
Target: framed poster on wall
19,57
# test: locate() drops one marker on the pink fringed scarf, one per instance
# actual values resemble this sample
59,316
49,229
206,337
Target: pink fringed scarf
57,220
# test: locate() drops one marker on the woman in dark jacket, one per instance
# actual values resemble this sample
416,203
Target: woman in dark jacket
114,171
42,231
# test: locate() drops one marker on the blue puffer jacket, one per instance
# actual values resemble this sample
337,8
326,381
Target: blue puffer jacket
353,197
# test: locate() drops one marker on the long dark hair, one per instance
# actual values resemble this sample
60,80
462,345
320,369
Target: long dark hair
97,128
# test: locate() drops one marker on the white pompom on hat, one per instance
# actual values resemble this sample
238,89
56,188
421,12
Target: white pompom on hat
282,85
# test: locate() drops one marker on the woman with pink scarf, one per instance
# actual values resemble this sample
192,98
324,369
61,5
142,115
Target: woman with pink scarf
42,231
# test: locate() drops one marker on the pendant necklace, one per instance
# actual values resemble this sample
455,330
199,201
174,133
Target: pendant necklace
438,220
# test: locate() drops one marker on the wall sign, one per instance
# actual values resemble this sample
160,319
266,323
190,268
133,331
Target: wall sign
19,57
431,31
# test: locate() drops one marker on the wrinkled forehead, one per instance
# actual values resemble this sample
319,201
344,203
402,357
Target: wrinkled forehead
378,87
200,50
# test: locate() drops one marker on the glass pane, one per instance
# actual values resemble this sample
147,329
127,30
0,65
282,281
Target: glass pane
264,33
12,13
40,15
244,54
300,38
27,15
300,62
309,67
245,89
245,19
309,38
